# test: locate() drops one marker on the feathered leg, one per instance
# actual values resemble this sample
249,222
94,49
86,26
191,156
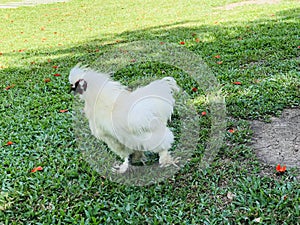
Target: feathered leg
121,151
165,159
123,167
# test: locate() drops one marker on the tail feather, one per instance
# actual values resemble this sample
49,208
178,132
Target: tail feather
148,103
171,83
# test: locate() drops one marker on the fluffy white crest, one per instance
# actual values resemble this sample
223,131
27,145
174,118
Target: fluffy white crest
77,73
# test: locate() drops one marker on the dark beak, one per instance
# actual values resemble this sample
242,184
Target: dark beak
72,88
76,88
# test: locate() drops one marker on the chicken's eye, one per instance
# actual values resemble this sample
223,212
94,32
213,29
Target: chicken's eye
79,86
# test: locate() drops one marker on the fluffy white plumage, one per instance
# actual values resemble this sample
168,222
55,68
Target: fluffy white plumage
128,122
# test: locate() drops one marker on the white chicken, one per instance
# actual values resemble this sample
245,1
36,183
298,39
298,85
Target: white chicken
127,121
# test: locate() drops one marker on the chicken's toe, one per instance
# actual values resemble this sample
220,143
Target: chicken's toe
120,168
166,160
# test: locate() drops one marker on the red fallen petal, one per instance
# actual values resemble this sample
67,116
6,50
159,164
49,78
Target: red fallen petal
161,43
54,67
231,130
283,169
57,75
47,80
9,86
219,62
298,47
194,89
9,143
203,113
278,167
39,168
217,56
63,110
237,82
182,43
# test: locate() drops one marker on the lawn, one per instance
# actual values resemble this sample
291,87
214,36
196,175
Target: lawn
253,52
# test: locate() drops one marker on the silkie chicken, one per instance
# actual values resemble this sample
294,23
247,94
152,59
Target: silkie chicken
129,122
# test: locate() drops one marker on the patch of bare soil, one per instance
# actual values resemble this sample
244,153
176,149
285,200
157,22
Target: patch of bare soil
249,2
278,142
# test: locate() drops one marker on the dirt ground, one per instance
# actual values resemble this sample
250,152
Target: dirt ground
278,142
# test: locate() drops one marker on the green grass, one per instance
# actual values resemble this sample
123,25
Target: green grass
258,46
